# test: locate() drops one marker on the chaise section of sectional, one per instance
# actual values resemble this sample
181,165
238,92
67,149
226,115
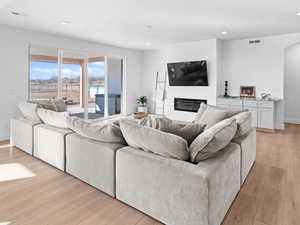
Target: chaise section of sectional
178,192
248,152
21,134
92,161
49,144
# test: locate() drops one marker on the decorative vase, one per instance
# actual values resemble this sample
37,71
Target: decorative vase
142,108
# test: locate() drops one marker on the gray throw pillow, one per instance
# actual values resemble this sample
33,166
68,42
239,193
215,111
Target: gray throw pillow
186,130
244,123
105,130
230,111
200,112
153,140
59,105
29,111
212,140
56,119
212,116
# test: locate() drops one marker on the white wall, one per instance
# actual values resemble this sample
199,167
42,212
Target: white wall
292,84
156,60
14,46
260,65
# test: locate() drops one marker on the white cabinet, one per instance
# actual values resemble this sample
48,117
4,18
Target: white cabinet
266,115
263,112
252,106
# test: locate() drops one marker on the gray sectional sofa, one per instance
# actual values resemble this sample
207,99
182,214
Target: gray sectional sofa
173,191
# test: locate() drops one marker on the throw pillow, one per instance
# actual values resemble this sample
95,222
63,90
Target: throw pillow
200,112
212,140
186,130
105,131
244,123
59,105
29,111
211,116
230,112
153,140
57,119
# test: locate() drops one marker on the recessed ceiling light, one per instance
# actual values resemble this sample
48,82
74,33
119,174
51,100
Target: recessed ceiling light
298,14
148,43
224,32
65,22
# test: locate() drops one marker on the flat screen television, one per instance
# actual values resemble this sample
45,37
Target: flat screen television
188,73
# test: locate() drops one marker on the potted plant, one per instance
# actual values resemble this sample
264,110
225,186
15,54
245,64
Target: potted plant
142,104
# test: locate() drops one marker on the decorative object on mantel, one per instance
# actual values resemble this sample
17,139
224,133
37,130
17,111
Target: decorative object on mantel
139,115
247,91
226,90
266,96
142,104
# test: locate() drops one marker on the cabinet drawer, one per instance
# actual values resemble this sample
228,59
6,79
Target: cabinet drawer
266,104
248,104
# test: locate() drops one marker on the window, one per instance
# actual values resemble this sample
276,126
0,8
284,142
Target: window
94,93
43,80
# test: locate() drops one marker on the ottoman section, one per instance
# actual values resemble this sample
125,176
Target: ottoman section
49,144
21,134
92,161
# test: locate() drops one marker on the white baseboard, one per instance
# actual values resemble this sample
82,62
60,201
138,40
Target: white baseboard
292,120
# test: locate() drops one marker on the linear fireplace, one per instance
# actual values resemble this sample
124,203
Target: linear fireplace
188,104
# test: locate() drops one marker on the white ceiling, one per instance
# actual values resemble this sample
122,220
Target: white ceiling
124,22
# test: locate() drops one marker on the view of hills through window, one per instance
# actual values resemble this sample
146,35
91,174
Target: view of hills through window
44,80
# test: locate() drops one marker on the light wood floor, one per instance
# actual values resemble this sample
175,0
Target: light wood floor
46,196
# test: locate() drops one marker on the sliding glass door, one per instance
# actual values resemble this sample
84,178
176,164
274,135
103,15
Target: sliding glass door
96,87
90,86
72,81
114,85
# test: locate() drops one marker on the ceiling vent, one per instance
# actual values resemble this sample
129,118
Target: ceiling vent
254,42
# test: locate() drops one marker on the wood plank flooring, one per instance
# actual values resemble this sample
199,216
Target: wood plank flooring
34,193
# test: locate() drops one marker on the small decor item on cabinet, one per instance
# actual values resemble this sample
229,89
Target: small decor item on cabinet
247,91
266,96
226,90
142,104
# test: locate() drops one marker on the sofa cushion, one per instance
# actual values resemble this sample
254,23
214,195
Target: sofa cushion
43,103
188,131
212,140
244,123
56,119
29,111
153,140
105,130
212,116
203,107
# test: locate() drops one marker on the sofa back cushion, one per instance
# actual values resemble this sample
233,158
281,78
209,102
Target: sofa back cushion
104,130
186,130
29,111
212,140
56,119
153,140
244,123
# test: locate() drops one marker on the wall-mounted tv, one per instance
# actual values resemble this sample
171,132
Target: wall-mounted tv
188,73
